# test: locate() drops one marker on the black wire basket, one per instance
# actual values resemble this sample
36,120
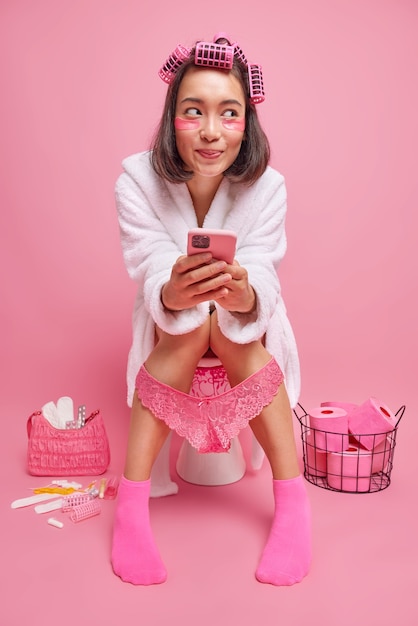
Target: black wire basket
355,468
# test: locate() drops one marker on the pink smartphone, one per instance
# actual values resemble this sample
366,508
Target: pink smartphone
220,243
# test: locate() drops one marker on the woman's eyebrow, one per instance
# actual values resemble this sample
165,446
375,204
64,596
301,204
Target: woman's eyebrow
190,99
232,101
229,101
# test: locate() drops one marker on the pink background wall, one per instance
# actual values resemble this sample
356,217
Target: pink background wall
80,91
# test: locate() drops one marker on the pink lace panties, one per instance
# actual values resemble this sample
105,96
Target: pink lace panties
213,413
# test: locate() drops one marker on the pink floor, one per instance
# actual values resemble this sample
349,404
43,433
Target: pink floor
364,568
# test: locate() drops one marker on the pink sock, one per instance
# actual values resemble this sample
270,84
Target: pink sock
287,555
135,556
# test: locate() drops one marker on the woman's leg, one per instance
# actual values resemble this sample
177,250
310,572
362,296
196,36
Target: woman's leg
135,557
287,555
273,428
175,357
173,362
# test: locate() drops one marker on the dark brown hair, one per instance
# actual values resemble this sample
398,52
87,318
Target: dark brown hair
253,156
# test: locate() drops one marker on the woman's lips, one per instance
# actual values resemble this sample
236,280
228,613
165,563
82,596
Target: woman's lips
209,154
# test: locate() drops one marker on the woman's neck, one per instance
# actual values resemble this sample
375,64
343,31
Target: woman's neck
202,190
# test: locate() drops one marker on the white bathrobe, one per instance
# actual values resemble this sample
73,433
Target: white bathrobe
154,217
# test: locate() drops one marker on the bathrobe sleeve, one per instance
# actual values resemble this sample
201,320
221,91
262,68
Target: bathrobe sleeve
261,246
150,246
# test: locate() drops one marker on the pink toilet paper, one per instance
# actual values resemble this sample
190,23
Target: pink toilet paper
316,460
331,428
380,456
350,470
347,406
370,422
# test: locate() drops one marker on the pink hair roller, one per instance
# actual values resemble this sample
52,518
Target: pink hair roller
239,54
73,500
214,55
221,35
174,61
256,84
219,56
84,511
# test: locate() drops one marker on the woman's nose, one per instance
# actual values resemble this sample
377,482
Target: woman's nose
211,129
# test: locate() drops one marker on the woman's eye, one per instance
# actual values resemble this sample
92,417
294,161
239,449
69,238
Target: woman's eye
229,113
193,111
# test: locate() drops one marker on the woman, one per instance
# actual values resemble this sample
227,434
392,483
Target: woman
208,167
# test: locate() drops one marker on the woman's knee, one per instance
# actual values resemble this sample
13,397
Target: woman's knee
225,349
174,358
239,360
194,343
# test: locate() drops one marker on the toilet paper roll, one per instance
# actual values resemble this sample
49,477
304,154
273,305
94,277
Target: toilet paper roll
347,406
316,460
380,453
350,470
331,428
380,456
370,422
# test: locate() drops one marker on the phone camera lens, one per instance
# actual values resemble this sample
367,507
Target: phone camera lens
200,241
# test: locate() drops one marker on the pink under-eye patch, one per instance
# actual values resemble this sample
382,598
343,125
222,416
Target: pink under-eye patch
182,124
234,124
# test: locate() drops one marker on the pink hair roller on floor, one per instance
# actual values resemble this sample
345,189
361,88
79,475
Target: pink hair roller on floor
330,426
86,510
370,422
73,500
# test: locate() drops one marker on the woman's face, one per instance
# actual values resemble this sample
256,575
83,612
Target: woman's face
209,121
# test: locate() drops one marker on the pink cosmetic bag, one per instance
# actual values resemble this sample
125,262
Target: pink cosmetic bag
74,452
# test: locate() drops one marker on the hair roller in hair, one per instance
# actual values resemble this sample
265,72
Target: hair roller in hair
214,55
219,56
174,61
239,54
256,84
224,39
220,36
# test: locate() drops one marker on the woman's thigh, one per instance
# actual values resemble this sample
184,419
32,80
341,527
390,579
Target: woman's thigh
175,357
239,360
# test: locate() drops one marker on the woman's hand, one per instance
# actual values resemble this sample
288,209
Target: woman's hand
195,279
240,296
